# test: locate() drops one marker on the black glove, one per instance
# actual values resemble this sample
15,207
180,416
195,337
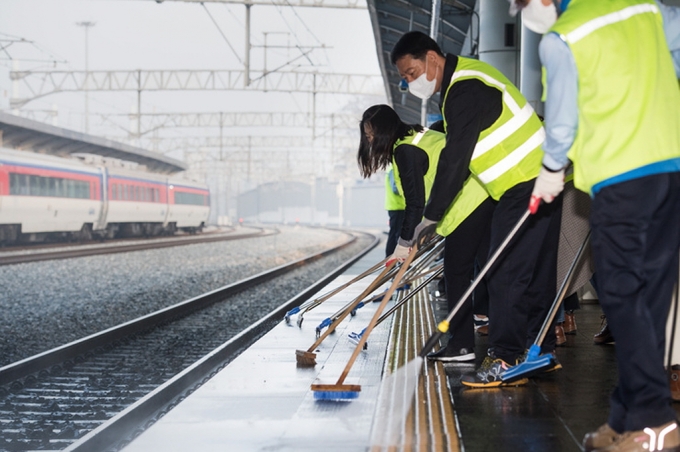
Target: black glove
425,232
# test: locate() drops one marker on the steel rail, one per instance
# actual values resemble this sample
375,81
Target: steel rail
25,367
81,251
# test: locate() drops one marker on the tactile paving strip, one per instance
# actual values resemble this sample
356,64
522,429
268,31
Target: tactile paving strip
430,424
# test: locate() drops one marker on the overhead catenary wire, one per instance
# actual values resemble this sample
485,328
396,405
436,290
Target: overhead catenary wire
222,33
292,31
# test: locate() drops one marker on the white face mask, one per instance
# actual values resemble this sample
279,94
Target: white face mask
422,87
539,18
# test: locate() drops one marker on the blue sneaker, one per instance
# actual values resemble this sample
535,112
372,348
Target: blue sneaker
490,374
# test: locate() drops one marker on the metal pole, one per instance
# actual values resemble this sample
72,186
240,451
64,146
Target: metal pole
87,25
221,128
246,78
314,109
434,31
139,104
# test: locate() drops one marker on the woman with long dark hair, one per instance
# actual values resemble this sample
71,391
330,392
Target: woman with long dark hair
413,151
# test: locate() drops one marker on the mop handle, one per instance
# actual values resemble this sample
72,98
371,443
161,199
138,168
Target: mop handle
410,295
378,311
443,326
562,292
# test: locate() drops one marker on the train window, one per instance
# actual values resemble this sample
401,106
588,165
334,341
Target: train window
38,185
29,185
57,187
70,189
18,184
189,198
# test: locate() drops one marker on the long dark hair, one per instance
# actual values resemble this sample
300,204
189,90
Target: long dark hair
387,128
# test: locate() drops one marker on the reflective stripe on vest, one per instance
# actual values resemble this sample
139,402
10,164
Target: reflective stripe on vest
468,199
611,18
509,151
628,96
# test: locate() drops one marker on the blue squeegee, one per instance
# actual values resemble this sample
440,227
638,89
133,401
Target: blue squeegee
535,362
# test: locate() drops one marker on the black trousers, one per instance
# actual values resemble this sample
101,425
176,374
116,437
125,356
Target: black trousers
522,281
635,242
396,220
461,248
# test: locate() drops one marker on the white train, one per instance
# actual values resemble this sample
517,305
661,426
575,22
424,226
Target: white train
44,197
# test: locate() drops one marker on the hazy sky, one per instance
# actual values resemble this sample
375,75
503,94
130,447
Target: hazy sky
142,34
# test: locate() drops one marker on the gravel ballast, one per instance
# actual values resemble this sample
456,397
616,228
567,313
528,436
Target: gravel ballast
47,304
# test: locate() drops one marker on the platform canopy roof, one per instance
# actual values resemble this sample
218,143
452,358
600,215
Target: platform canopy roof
392,18
26,134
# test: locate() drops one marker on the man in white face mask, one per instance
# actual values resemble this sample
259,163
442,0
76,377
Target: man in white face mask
538,16
494,134
613,109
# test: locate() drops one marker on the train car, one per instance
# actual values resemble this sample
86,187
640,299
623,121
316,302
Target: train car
136,204
45,197
42,195
188,205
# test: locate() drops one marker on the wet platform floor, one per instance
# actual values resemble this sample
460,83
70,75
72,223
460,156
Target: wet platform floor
262,401
553,412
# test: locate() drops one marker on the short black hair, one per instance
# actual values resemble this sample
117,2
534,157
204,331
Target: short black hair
387,128
414,43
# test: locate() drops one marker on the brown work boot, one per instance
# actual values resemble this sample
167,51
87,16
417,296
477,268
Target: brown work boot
569,323
674,380
605,335
560,338
664,438
603,437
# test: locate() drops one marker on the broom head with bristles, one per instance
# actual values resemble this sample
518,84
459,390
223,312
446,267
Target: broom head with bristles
336,392
305,358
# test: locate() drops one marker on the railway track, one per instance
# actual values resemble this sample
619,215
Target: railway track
32,254
99,392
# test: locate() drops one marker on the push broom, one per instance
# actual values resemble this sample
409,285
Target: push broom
355,337
306,307
414,273
308,358
356,303
535,362
341,391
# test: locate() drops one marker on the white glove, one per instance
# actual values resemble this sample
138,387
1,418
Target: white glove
425,231
548,184
400,254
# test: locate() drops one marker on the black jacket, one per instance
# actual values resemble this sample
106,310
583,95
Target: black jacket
470,108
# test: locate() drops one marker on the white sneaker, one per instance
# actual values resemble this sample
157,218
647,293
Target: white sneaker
447,356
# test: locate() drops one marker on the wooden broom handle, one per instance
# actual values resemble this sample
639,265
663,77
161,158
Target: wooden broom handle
376,316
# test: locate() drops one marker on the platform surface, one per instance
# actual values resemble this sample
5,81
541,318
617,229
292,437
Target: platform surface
262,400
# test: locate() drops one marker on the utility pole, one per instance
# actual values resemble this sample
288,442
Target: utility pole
87,25
246,77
